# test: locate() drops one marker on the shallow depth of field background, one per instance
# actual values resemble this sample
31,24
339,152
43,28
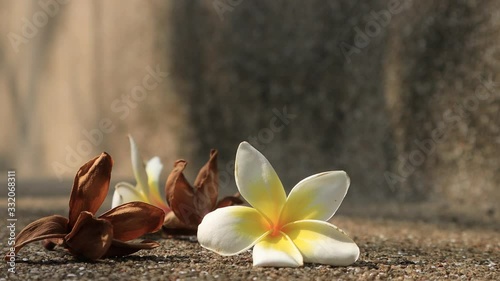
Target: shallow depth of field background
408,104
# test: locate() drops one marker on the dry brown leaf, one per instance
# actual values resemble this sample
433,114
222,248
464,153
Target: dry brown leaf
134,219
119,248
180,194
190,204
48,227
86,236
90,186
207,186
90,237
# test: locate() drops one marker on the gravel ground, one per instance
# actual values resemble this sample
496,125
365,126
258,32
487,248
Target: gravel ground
390,249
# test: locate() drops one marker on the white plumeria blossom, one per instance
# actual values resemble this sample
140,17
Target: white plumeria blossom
147,176
284,231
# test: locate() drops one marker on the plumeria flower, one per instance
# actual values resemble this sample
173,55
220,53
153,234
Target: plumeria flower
147,177
191,203
284,231
85,236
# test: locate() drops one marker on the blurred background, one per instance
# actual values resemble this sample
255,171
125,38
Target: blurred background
403,95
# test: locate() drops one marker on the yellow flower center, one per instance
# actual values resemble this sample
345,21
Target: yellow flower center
275,230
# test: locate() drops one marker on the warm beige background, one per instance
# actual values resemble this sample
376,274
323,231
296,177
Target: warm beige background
66,78
232,66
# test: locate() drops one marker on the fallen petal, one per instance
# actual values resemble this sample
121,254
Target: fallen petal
90,238
258,183
119,248
319,196
48,227
207,186
153,170
180,195
322,242
134,219
125,192
90,187
138,166
278,251
232,230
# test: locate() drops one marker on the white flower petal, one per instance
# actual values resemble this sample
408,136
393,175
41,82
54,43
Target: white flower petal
276,251
138,166
316,197
153,170
258,183
231,230
117,200
124,193
322,242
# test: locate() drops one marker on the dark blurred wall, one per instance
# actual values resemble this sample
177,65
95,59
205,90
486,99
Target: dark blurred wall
373,89
265,59
441,69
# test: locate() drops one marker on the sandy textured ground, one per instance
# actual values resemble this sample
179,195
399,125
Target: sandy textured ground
390,248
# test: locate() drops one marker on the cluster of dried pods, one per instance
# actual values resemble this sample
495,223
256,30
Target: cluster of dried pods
89,237
189,204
